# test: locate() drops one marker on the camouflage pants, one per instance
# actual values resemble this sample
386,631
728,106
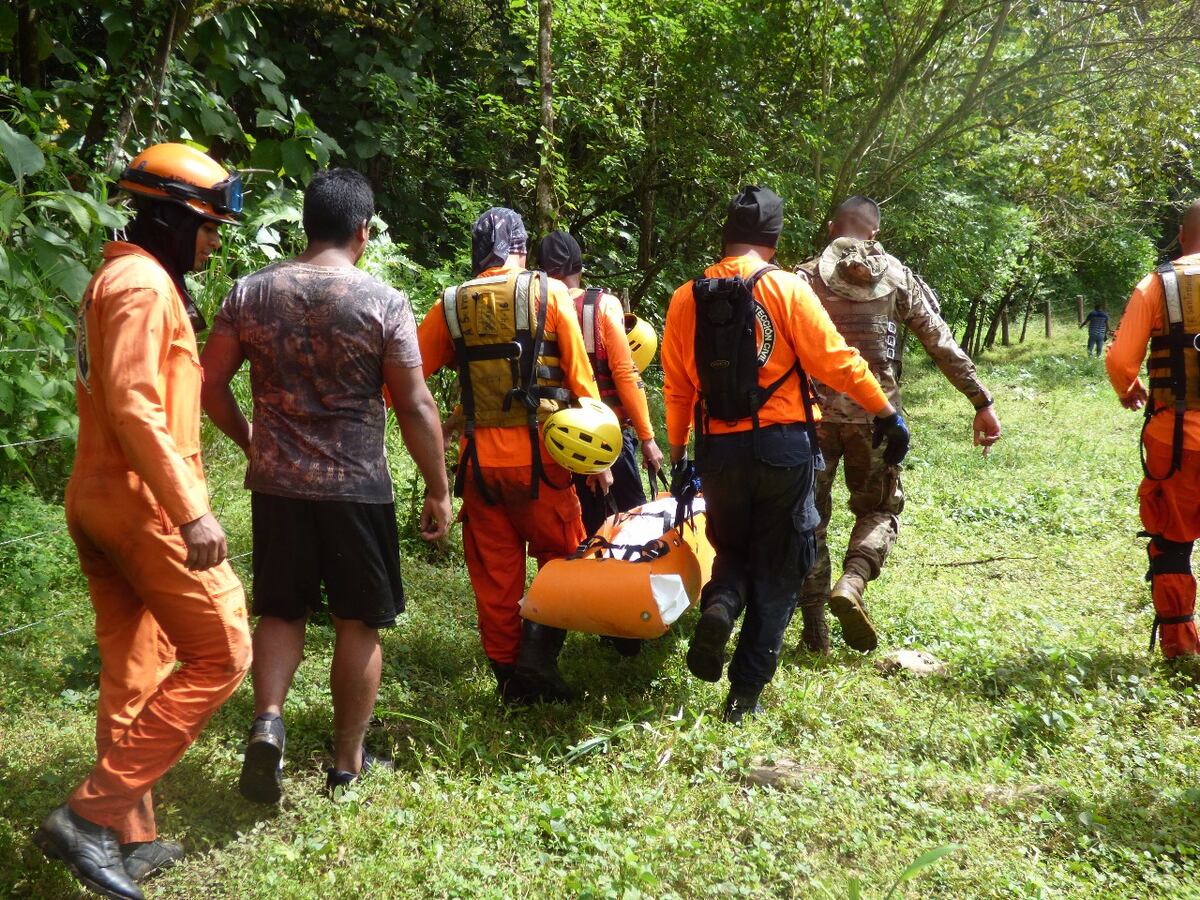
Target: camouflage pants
876,499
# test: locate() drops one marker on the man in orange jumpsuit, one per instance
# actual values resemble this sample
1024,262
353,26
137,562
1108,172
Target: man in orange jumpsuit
515,498
617,378
1164,314
138,511
736,349
602,319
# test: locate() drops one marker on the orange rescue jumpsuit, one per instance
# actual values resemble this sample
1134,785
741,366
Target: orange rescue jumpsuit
137,478
497,536
1170,508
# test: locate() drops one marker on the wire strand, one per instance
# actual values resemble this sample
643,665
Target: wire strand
60,437
30,537
66,612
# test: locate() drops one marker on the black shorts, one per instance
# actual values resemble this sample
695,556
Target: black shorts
352,548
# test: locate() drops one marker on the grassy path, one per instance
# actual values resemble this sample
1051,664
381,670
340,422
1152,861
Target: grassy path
1056,752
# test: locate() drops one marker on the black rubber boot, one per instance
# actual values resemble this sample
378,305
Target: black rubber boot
815,636
537,664
706,653
738,705
145,859
262,767
90,851
509,686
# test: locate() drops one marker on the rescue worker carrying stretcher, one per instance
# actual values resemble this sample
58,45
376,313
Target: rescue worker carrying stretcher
138,511
515,342
1164,314
736,351
618,378
871,297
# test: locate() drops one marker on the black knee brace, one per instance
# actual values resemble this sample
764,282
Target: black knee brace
1173,558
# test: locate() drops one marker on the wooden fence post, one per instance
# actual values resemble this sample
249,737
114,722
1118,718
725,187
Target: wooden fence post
1048,330
1079,303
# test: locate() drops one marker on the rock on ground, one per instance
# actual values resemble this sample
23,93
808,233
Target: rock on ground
916,661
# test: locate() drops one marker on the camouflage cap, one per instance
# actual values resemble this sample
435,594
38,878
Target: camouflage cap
856,269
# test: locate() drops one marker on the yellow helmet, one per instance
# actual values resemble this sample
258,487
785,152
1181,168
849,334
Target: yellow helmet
183,175
643,342
585,439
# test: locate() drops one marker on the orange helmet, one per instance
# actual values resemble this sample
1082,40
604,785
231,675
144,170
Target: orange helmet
182,174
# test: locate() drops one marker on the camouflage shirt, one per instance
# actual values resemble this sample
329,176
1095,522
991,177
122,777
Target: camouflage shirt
317,338
912,305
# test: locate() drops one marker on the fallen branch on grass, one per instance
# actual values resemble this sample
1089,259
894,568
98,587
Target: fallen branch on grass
980,562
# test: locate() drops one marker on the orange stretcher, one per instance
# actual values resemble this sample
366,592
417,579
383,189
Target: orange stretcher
633,579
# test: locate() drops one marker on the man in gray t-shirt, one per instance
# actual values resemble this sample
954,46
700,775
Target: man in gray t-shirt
317,338
324,339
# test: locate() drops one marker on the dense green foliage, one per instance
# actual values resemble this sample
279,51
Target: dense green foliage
1023,151
1057,753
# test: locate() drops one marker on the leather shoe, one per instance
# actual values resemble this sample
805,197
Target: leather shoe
262,767
145,859
90,851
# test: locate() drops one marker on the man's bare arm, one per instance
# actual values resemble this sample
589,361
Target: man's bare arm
421,429
222,357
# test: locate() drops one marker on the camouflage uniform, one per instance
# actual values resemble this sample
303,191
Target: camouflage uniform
871,317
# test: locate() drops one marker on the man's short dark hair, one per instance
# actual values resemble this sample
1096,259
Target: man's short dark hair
860,206
336,203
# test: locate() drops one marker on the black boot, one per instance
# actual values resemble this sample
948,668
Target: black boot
815,636
537,664
740,704
706,653
91,852
509,686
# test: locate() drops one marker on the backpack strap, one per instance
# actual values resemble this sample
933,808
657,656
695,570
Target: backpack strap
1177,341
587,322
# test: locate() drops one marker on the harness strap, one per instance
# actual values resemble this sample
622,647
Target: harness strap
1166,620
1176,342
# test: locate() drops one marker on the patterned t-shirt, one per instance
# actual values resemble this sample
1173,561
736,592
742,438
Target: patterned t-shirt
317,338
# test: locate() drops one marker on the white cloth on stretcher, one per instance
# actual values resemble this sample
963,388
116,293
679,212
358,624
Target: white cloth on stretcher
652,521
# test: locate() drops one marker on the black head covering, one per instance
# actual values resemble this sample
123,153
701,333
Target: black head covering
559,255
496,234
755,216
167,231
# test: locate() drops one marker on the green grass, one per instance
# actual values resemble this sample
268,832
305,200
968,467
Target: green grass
1056,752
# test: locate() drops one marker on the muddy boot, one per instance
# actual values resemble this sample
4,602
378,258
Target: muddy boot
815,636
847,604
537,664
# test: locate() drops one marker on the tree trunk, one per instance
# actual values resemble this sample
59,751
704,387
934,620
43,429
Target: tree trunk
28,70
649,196
1079,304
968,337
1025,322
545,183
1005,339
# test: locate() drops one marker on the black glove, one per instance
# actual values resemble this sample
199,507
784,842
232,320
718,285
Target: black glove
685,485
893,430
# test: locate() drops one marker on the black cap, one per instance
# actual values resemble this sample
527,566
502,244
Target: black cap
559,255
755,216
